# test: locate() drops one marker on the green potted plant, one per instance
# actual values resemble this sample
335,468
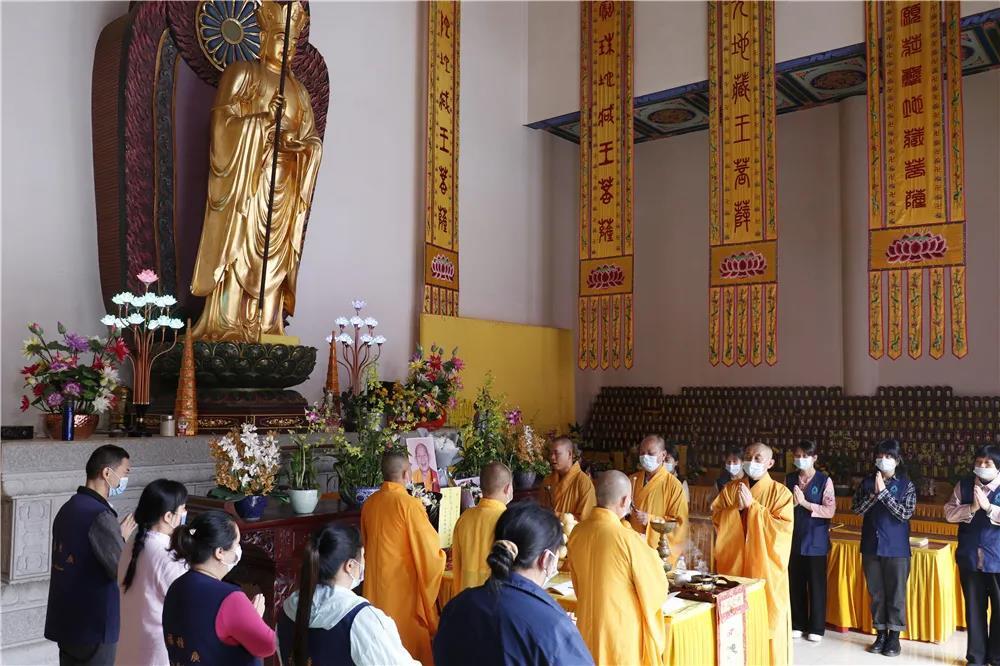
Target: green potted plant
486,438
322,431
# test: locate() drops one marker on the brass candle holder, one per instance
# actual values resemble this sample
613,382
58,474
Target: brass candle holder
663,528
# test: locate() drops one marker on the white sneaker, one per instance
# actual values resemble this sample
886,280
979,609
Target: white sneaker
814,638
796,633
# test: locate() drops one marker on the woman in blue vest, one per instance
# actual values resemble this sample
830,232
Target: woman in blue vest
325,621
205,620
975,506
512,619
886,499
815,505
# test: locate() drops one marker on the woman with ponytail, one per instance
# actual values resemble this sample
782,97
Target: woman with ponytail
325,622
512,619
205,619
145,572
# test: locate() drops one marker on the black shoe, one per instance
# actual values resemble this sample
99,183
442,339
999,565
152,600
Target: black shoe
891,648
879,644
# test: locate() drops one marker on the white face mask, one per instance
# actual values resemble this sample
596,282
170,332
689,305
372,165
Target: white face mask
238,551
120,488
669,466
734,469
987,474
649,463
357,581
804,463
549,575
887,465
754,470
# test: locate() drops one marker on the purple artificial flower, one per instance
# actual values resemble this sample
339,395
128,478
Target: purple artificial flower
72,389
76,343
58,365
54,400
312,417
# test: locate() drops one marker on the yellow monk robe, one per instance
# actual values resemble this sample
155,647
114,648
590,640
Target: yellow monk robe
756,543
472,541
574,493
663,498
404,564
620,588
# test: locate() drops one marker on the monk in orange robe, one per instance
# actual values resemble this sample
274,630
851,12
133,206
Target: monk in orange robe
403,557
475,530
658,496
619,582
567,488
753,518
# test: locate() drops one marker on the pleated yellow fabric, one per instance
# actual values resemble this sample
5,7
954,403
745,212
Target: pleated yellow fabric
931,606
692,637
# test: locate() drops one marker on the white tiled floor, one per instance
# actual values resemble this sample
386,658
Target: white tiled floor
849,648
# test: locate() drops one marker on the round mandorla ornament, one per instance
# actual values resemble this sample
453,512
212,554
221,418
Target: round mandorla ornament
84,425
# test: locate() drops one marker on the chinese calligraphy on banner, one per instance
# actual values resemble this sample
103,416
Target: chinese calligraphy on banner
916,215
441,178
743,229
606,313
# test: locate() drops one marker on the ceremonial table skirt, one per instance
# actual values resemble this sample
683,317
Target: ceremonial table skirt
931,602
690,632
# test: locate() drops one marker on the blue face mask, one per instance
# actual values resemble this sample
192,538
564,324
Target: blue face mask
120,488
184,518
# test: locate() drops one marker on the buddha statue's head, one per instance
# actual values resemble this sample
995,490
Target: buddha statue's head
271,18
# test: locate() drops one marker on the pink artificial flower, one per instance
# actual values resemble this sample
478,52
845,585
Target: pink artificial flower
58,365
72,389
312,416
147,277
35,328
457,362
25,403
54,400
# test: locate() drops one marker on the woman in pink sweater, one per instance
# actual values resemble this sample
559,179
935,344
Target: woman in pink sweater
145,572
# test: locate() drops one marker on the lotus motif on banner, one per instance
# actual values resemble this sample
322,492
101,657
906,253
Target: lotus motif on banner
443,268
743,265
916,248
606,277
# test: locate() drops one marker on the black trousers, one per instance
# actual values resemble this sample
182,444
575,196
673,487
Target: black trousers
981,590
886,578
807,592
102,654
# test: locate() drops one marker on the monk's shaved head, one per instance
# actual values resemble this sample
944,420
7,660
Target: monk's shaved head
394,467
494,478
760,452
611,487
652,445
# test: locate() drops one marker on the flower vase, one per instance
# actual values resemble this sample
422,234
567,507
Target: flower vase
525,479
251,507
303,501
84,425
357,496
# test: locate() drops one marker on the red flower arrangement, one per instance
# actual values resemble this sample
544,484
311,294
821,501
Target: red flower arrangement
433,383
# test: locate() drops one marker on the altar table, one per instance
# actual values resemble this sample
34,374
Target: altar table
690,630
931,613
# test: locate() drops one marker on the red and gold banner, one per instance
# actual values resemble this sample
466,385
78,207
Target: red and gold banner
916,214
743,227
441,178
605,303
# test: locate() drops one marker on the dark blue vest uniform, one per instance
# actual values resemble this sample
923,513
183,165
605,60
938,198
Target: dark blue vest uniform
979,533
810,535
326,646
83,601
189,612
724,478
882,533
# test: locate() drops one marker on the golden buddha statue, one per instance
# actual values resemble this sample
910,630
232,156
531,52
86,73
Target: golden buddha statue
231,253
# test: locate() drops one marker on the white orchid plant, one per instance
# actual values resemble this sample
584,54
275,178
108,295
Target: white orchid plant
151,332
245,462
360,346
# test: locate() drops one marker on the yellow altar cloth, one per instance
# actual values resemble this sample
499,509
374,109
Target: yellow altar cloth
931,612
691,630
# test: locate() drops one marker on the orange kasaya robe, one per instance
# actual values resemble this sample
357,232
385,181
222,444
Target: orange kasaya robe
756,543
663,498
472,541
404,564
620,590
574,493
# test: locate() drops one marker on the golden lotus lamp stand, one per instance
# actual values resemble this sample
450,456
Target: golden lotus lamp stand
663,528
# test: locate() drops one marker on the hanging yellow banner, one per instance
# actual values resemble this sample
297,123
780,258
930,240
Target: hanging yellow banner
606,270
743,229
441,178
916,214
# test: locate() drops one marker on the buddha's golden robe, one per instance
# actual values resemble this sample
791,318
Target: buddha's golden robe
620,590
404,564
231,253
663,498
574,493
756,543
471,543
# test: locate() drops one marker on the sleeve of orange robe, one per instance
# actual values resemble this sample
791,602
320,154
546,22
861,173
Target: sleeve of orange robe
456,559
429,562
651,590
769,540
729,537
586,498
